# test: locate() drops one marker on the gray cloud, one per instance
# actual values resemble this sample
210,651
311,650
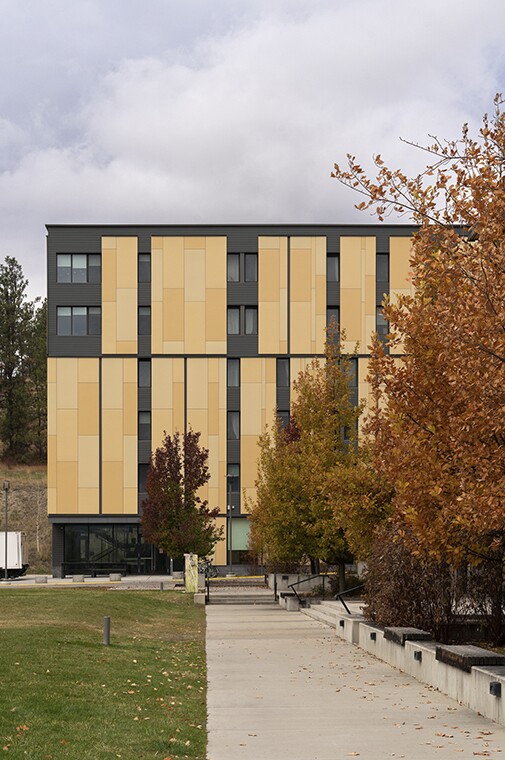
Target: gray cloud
224,111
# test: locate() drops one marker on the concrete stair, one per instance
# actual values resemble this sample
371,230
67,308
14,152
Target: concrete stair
223,598
325,612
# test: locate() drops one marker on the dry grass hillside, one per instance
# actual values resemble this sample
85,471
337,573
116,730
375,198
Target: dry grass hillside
27,511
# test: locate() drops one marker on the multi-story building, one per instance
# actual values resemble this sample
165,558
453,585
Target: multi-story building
155,328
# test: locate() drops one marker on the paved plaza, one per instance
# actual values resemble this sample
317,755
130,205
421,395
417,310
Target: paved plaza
284,687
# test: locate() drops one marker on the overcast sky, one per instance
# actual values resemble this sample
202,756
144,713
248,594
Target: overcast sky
216,111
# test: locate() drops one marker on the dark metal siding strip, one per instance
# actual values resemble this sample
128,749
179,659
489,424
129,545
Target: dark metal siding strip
242,294
233,452
233,399
242,345
91,519
69,345
332,294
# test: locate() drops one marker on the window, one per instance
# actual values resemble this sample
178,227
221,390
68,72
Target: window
234,320
233,478
233,426
242,267
251,267
353,380
382,267
251,320
382,325
233,267
332,268
144,320
144,267
233,373
78,267
78,320
144,426
144,374
283,373
143,469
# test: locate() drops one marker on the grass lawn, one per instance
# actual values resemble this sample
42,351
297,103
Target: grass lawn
65,696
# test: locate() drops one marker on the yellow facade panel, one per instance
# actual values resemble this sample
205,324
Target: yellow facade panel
173,314
112,383
130,501
66,396
215,315
112,487
194,242
126,314
130,461
51,461
66,480
88,501
112,435
130,411
51,370
52,506
161,383
197,374
109,273
269,274
400,251
127,262
220,557
301,274
249,464
51,409
109,323
88,410
269,328
156,273
301,243
350,263
88,371
66,442
88,463
173,262
194,275
213,407
350,314
194,327
301,328
215,273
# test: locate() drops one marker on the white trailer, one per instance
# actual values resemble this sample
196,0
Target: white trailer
17,555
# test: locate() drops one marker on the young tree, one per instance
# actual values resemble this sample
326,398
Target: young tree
439,417
314,484
174,516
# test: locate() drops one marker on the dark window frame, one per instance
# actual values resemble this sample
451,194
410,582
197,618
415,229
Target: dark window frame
91,311
142,269
144,320
89,269
334,257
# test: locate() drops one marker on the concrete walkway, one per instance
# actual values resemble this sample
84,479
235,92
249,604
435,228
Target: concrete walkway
284,687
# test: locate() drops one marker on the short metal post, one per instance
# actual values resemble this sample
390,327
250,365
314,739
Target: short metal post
6,488
106,630
161,586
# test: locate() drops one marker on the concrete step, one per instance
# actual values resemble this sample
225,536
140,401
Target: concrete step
236,598
323,616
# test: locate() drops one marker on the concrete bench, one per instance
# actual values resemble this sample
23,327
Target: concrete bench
465,657
402,634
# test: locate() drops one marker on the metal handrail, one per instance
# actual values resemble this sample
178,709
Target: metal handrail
338,597
207,589
306,580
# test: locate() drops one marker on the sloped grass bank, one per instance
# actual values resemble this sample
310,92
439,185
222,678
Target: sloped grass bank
65,696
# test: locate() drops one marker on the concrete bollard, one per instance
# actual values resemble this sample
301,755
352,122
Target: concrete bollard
41,579
78,578
115,577
162,586
106,630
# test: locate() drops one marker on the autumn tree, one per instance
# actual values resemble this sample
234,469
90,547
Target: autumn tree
175,518
439,415
315,489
